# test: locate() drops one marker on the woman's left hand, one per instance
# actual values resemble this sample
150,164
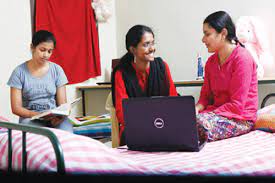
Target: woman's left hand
55,120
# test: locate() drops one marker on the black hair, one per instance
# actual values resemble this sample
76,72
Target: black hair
43,36
133,37
220,20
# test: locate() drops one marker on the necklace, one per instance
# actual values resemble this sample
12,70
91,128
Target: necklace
222,60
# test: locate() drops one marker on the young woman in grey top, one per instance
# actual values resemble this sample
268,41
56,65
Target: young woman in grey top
38,85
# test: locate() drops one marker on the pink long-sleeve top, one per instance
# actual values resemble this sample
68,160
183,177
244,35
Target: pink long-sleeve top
231,89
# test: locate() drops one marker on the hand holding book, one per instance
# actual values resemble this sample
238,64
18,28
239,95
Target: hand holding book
57,114
54,120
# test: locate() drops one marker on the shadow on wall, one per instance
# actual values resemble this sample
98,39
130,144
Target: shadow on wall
107,75
32,5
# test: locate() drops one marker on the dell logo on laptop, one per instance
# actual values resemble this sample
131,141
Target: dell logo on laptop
159,123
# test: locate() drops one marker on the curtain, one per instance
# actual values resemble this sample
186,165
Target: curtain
74,26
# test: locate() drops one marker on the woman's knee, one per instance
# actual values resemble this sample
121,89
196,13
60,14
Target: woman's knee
65,125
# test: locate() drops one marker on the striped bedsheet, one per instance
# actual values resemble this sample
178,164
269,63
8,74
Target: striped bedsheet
82,155
250,154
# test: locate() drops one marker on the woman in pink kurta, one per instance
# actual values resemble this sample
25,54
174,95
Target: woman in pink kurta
229,96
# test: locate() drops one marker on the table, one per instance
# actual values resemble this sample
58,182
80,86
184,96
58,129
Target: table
184,83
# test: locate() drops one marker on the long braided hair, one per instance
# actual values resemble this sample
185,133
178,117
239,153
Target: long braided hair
220,20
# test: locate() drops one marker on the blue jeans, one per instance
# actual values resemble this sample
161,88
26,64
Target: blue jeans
65,125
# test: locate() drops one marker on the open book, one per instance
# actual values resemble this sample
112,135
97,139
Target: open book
62,110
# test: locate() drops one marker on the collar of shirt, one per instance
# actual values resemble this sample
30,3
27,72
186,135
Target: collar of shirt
228,60
140,72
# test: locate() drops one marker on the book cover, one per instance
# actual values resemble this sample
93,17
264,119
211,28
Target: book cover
87,120
62,110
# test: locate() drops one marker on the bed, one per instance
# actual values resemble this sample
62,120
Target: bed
46,150
252,154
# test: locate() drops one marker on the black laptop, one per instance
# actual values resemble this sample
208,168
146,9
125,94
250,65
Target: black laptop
161,124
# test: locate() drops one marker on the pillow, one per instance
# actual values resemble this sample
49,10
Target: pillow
266,119
97,130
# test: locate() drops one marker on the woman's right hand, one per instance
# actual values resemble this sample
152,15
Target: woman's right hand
34,113
199,108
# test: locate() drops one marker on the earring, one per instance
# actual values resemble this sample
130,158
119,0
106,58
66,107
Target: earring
135,60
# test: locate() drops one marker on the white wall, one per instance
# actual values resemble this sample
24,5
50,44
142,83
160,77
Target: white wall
15,23
178,29
177,25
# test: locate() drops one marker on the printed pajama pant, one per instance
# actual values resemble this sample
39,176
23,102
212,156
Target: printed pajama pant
215,127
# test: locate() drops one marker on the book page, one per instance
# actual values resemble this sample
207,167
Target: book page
51,115
63,109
